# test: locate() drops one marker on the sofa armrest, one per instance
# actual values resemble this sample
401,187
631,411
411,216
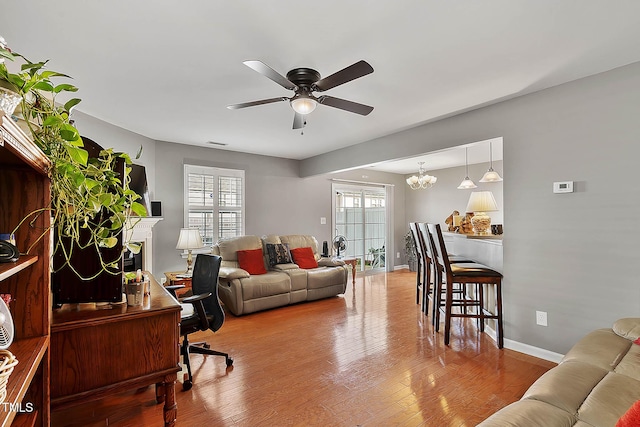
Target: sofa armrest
230,273
330,262
285,267
628,328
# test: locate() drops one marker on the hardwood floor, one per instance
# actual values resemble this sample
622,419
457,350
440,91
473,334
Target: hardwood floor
368,358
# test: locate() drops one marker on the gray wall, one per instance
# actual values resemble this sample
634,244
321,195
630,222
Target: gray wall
109,136
278,201
571,255
438,202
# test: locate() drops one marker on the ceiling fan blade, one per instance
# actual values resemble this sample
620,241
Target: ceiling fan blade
352,72
343,104
254,103
298,121
270,73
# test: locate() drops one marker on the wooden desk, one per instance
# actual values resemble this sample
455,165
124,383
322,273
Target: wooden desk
352,262
173,279
99,350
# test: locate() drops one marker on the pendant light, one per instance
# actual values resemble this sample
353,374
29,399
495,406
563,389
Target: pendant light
491,175
466,183
421,181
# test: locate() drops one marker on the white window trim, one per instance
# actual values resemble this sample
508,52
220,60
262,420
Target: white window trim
209,170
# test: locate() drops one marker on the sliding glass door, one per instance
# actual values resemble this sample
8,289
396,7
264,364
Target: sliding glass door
360,215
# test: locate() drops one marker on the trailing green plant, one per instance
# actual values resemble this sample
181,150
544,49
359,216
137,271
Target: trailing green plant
86,193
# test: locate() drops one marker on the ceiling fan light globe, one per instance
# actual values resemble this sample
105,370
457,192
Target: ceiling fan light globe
303,105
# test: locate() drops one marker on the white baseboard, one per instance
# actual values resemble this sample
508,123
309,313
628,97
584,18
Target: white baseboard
401,267
540,353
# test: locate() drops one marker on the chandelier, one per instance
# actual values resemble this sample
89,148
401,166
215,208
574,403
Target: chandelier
421,181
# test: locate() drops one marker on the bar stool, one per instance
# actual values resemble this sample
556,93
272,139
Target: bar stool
422,265
428,290
464,274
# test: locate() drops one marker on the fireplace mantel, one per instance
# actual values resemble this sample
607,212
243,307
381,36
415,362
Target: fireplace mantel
140,230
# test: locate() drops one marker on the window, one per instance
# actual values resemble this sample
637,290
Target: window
214,202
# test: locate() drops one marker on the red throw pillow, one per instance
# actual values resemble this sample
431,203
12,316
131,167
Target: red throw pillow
304,257
631,418
252,261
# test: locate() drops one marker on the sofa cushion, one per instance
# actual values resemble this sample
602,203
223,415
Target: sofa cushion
609,399
301,241
252,261
602,348
265,285
304,257
566,385
530,413
630,363
323,277
228,248
278,253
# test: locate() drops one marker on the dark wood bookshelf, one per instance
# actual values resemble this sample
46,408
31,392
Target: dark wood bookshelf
25,188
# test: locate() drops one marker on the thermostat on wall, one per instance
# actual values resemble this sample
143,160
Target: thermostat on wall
563,187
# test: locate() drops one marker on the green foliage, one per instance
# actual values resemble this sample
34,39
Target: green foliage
86,193
410,247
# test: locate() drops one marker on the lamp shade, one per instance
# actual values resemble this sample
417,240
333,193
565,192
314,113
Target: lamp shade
189,239
482,201
491,176
466,184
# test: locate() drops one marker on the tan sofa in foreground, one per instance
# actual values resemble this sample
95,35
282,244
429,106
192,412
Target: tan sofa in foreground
281,284
595,384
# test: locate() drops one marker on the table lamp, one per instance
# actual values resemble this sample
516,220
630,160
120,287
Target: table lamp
189,239
479,203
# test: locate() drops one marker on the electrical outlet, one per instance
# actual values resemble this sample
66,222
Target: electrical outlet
541,318
323,220
398,255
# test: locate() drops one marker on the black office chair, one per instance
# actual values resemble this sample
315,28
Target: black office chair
201,311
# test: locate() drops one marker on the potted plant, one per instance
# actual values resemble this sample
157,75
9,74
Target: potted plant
410,251
90,197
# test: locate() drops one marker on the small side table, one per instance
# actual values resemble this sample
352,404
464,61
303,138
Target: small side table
352,262
173,279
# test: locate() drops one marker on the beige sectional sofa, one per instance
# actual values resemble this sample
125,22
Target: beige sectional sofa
595,384
282,284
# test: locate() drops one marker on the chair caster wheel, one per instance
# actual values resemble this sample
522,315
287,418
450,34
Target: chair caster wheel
229,361
186,383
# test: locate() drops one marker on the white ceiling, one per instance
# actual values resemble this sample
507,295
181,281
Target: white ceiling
477,152
167,69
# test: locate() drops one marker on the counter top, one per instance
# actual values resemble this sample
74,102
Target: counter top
473,236
485,249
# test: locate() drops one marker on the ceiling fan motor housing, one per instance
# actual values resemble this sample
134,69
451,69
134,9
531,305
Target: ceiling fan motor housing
302,77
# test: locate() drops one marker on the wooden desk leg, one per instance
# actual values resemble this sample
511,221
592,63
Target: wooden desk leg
170,407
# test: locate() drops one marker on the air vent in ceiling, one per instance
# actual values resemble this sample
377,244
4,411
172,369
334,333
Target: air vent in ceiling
219,144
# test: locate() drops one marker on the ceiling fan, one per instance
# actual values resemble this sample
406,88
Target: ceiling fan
305,81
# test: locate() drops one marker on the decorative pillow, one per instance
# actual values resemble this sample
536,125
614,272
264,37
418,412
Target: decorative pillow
251,260
304,257
278,254
631,418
